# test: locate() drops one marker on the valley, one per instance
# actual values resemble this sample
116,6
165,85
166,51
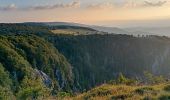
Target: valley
39,63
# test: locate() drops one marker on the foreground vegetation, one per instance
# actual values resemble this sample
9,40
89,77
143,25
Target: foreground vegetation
127,92
122,88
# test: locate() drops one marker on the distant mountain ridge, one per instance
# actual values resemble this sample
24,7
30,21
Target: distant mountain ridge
161,31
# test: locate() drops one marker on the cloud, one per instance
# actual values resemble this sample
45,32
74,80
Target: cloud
74,4
109,5
9,7
77,4
154,4
127,4
101,5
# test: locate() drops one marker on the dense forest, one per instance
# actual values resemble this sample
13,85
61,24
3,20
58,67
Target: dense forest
35,63
100,58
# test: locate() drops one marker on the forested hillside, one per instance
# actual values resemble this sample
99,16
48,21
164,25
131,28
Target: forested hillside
30,66
100,58
20,28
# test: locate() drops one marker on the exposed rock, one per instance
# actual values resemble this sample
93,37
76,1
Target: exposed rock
59,78
159,60
46,79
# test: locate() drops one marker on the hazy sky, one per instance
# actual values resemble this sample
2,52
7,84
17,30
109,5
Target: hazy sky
100,12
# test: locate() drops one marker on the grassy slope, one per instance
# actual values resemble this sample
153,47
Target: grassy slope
70,31
124,92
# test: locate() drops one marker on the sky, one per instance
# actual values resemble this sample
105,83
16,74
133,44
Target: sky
117,13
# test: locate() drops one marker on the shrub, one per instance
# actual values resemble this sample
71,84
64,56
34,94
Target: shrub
149,98
167,88
144,90
63,94
123,80
121,97
164,97
151,79
98,92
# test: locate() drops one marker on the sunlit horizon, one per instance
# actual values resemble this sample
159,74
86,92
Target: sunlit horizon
120,13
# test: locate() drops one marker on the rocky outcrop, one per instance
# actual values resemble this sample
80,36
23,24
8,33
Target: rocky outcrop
60,79
46,79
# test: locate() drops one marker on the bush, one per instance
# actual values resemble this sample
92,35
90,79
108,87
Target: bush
151,79
63,94
144,90
98,92
164,97
121,97
123,80
167,88
149,98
